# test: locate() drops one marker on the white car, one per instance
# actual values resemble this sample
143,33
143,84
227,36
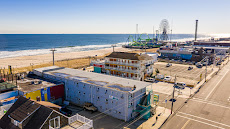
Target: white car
150,80
167,78
181,85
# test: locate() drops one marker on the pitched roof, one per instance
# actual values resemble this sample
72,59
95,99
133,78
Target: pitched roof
5,121
24,111
38,118
35,122
131,56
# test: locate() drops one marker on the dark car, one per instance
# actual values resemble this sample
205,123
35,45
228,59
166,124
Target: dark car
66,111
190,68
168,65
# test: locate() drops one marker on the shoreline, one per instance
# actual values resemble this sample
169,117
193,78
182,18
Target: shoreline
25,61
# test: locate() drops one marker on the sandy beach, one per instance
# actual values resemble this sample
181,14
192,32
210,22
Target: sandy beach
25,61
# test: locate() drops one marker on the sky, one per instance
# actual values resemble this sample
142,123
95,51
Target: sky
112,16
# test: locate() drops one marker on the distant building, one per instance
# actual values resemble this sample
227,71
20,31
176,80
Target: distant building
129,65
115,96
176,53
195,53
28,114
212,43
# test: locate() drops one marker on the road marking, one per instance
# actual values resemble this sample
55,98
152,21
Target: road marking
216,85
201,122
205,119
185,124
211,103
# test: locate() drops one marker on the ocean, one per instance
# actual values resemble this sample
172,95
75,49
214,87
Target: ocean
13,45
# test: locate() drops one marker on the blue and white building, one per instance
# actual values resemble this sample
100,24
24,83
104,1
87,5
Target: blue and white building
115,96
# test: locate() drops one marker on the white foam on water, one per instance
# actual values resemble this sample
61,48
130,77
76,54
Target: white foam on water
8,54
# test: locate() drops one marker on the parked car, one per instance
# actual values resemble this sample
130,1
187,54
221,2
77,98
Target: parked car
199,65
160,76
149,79
190,68
167,78
168,65
180,85
89,107
66,111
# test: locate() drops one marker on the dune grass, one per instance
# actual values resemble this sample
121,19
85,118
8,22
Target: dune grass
69,63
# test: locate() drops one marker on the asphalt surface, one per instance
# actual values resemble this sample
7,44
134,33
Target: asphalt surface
208,109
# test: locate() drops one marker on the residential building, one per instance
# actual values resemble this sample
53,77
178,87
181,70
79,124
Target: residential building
28,114
98,66
129,65
115,96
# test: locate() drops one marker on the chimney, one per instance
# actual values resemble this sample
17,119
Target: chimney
196,29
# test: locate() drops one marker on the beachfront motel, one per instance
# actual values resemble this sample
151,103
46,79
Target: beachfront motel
114,96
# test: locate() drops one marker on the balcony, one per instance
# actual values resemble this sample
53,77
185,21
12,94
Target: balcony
79,122
122,63
121,69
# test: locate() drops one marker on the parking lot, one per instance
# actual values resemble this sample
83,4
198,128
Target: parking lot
182,73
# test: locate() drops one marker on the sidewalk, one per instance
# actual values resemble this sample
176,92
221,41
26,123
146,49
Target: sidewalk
151,123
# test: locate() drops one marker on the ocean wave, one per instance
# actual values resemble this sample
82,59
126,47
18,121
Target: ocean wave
9,54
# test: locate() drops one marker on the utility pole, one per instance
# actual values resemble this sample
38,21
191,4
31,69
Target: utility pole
173,94
53,54
113,47
196,30
206,68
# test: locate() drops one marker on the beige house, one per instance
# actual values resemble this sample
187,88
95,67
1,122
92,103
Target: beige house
129,65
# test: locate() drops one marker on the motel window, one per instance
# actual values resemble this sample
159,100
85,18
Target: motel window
106,101
122,96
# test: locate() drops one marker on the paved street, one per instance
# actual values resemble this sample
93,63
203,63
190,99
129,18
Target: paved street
208,109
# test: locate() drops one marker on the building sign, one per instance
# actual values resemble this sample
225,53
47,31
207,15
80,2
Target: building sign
97,65
155,97
112,97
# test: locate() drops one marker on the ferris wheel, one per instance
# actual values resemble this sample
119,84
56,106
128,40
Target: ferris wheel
164,29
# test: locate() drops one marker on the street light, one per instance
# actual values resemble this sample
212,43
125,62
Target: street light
173,94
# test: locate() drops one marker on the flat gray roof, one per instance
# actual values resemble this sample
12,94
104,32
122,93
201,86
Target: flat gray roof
97,78
26,86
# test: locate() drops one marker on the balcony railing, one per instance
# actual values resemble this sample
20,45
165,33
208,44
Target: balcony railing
87,122
122,63
122,69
